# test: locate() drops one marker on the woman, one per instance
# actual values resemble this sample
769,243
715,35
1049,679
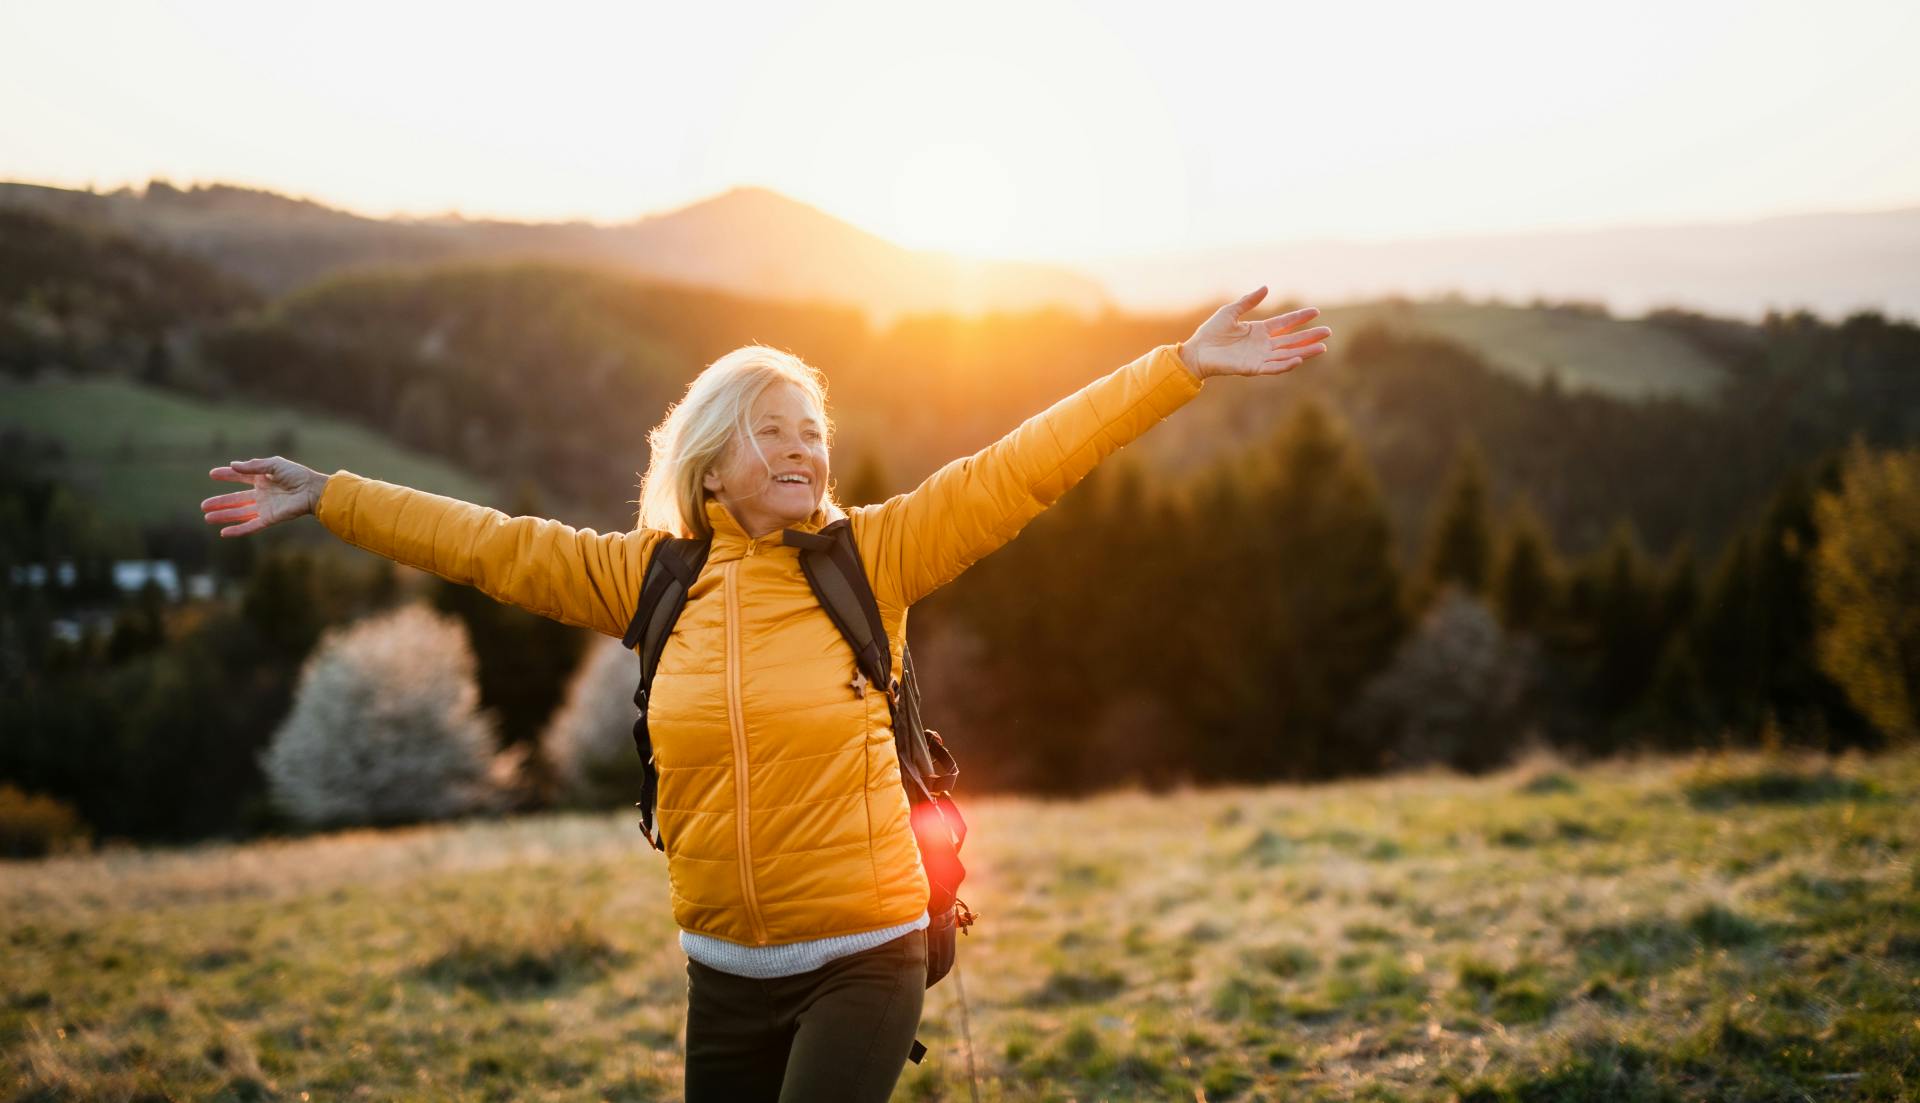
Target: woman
793,869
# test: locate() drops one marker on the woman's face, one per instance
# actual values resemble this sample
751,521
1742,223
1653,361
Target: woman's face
777,476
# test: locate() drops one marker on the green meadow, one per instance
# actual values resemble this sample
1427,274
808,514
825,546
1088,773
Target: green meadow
1724,927
1591,350
141,454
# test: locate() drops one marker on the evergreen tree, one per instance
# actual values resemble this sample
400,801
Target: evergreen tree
278,600
1629,628
1753,634
1679,588
1460,543
1728,639
1608,636
525,661
1679,714
1317,606
1526,573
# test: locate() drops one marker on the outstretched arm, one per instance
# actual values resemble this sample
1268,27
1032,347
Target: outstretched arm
919,541
576,576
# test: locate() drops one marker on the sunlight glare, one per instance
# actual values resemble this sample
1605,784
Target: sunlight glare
956,197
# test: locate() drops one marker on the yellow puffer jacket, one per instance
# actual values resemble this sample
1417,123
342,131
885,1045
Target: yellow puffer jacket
780,806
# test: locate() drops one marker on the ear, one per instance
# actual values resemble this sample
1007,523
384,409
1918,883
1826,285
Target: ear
711,480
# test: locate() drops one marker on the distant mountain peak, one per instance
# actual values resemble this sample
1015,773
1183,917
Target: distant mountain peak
752,200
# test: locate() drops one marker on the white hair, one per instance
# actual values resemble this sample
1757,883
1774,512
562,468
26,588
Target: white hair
695,434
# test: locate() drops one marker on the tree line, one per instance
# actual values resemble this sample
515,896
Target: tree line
1253,623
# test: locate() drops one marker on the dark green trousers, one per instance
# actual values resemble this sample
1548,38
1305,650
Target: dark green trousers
840,1032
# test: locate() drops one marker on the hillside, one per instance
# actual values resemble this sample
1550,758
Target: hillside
1588,350
758,242
748,240
1716,928
763,246
141,454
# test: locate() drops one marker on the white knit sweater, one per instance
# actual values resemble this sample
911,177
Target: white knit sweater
789,958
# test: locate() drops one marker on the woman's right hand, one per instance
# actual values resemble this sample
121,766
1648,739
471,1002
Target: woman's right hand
282,490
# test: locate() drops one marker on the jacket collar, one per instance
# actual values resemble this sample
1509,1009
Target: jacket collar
730,541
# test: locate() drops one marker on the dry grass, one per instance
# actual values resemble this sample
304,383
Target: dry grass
1717,928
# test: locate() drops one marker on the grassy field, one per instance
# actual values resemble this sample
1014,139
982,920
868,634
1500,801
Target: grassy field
1719,928
1622,357
141,454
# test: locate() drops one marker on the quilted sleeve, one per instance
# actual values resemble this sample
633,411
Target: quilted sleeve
576,576
919,541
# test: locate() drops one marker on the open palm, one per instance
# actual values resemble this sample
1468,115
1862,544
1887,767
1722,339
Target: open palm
282,490
1225,345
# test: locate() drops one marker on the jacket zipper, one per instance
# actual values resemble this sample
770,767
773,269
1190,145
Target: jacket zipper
736,719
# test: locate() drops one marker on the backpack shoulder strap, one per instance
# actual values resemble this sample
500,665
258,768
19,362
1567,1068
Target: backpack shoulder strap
831,563
670,575
671,572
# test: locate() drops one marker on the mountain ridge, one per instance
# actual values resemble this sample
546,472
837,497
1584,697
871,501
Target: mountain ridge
756,240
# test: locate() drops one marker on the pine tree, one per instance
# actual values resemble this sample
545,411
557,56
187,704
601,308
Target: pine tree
1729,640
1754,632
1460,544
525,660
1318,598
1526,573
1629,635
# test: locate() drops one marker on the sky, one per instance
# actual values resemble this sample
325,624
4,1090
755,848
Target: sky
1041,129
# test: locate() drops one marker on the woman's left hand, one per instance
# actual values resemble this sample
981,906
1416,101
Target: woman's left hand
1225,345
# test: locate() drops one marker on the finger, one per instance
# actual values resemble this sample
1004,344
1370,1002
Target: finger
1305,336
1286,360
252,526
1307,353
1279,367
1248,301
227,501
228,474
222,516
1280,323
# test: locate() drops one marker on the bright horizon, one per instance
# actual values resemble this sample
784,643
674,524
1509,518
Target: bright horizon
1049,131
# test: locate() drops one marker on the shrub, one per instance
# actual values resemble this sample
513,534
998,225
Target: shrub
385,726
1454,693
589,741
33,826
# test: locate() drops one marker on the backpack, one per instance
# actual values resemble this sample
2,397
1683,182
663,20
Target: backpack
831,562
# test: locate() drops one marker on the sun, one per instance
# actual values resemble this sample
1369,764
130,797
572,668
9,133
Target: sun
954,196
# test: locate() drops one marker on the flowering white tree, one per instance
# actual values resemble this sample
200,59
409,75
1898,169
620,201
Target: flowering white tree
589,741
1455,692
385,726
